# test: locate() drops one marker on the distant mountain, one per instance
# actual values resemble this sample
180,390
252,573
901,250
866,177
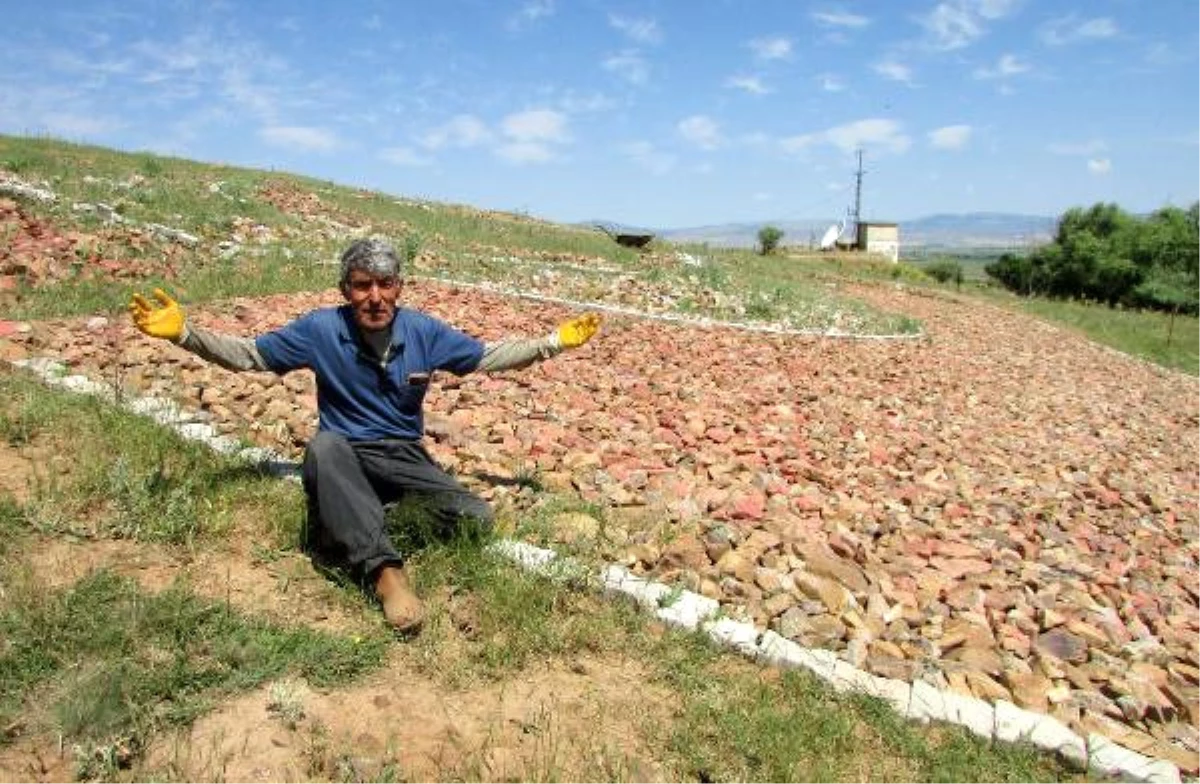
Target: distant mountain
979,229
964,230
745,235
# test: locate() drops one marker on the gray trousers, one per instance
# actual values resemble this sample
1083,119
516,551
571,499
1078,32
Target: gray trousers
348,485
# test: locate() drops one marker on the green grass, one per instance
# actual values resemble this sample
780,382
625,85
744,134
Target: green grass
13,524
1146,334
115,665
131,478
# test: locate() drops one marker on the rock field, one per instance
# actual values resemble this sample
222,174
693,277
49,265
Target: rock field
999,507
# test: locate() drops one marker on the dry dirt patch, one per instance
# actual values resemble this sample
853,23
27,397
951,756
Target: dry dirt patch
565,720
16,471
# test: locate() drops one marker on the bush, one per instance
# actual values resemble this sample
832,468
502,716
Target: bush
768,239
945,271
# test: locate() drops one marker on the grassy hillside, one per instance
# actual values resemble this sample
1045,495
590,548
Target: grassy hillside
263,232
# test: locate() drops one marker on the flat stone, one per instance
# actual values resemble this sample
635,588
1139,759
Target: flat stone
1062,645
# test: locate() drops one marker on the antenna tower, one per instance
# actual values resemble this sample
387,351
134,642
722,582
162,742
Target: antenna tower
858,175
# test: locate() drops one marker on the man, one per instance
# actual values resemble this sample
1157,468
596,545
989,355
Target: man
373,362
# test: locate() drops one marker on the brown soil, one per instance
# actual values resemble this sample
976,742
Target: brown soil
15,473
572,721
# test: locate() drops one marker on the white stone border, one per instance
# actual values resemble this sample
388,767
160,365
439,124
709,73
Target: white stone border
687,610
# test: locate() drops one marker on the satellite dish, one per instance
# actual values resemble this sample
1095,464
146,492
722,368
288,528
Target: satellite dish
832,234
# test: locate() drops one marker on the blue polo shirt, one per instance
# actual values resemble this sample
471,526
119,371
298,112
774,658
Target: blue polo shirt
358,395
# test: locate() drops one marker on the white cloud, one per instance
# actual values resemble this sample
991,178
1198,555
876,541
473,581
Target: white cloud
896,72
799,142
950,137
839,19
533,136
404,156
1070,30
463,130
299,137
873,133
831,83
869,133
644,31
701,131
1007,65
536,125
530,13
996,9
1099,165
751,84
629,65
1160,54
771,48
648,157
1090,147
954,24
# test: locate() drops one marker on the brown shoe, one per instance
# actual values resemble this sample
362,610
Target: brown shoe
401,607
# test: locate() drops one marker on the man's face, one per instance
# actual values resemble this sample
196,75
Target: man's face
372,298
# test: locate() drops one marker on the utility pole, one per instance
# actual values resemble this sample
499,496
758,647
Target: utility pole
858,195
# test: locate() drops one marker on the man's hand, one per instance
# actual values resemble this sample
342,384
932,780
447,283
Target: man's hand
165,321
577,331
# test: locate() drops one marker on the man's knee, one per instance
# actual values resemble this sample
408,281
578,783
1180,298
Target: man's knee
324,448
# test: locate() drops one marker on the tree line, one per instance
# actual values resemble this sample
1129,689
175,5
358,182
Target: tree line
1105,254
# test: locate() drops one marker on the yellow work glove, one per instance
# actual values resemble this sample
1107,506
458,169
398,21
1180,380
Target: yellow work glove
165,321
577,331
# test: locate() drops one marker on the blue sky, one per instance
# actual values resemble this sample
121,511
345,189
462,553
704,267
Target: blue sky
657,114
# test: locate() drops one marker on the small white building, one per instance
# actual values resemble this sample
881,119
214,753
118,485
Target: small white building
882,239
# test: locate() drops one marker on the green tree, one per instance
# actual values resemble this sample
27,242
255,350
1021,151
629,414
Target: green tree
1173,289
1105,254
768,239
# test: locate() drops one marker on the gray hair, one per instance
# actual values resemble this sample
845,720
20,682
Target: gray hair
371,255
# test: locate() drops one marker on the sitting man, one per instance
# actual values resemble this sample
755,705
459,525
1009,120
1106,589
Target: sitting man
373,361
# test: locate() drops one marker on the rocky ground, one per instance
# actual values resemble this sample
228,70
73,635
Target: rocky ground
999,507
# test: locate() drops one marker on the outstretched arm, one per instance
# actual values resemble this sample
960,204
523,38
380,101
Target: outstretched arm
517,354
167,321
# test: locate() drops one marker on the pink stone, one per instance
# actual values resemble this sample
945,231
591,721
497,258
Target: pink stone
956,568
747,505
955,549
